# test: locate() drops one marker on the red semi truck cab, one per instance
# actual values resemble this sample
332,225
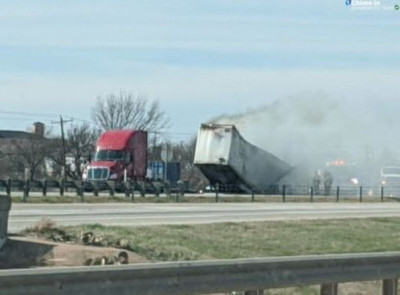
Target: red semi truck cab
118,151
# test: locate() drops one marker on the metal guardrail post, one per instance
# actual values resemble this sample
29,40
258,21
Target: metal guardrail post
82,193
80,190
26,190
44,188
382,193
311,194
62,188
252,196
217,192
389,287
9,187
111,188
361,193
337,193
132,190
95,188
5,206
167,188
127,189
142,188
329,289
181,190
284,193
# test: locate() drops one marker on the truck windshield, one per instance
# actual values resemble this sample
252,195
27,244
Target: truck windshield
109,155
391,171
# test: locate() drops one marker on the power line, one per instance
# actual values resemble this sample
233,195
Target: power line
15,119
82,120
35,115
169,133
27,114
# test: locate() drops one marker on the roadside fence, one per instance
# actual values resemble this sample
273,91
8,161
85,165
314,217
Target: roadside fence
133,189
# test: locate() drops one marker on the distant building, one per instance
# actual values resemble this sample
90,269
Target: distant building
7,149
11,134
6,136
38,128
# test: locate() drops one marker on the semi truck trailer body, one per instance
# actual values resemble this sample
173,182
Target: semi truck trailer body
236,165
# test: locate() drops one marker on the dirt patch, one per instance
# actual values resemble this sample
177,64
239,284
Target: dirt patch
21,252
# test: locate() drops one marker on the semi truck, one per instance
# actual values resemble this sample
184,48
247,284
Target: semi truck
122,155
390,176
235,165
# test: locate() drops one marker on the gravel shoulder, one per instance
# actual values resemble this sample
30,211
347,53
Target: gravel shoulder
26,252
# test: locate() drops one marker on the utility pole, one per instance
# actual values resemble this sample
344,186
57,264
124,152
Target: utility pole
64,165
155,155
154,146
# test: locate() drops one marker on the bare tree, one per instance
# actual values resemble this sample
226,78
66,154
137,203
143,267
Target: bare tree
81,142
10,164
31,153
127,111
184,153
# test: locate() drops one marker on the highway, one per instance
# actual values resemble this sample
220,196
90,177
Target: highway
25,215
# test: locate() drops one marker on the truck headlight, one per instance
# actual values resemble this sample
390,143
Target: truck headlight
354,181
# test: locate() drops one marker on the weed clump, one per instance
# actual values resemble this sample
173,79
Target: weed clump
47,229
44,225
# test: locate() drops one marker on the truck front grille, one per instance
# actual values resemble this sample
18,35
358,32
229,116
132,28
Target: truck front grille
98,173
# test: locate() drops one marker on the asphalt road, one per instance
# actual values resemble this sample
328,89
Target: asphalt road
25,215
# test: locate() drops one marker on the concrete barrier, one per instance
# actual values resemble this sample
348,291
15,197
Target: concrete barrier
5,206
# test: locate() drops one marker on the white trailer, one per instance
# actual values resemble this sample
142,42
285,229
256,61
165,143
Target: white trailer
225,158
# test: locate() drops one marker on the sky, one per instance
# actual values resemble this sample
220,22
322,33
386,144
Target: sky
200,59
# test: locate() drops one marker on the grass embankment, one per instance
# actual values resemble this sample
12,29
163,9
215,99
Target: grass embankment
239,240
242,240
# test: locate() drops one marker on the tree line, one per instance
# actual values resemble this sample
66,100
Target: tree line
40,157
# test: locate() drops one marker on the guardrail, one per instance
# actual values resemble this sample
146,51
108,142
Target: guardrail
286,193
80,187
5,206
204,277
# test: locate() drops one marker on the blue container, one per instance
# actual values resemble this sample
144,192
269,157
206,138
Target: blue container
157,171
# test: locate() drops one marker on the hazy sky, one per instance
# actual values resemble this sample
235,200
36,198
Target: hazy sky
199,58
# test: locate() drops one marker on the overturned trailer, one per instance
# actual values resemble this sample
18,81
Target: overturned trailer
228,160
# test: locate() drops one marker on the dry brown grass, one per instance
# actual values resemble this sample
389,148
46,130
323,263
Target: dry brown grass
44,225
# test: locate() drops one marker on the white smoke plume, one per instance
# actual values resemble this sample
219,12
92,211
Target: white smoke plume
309,130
